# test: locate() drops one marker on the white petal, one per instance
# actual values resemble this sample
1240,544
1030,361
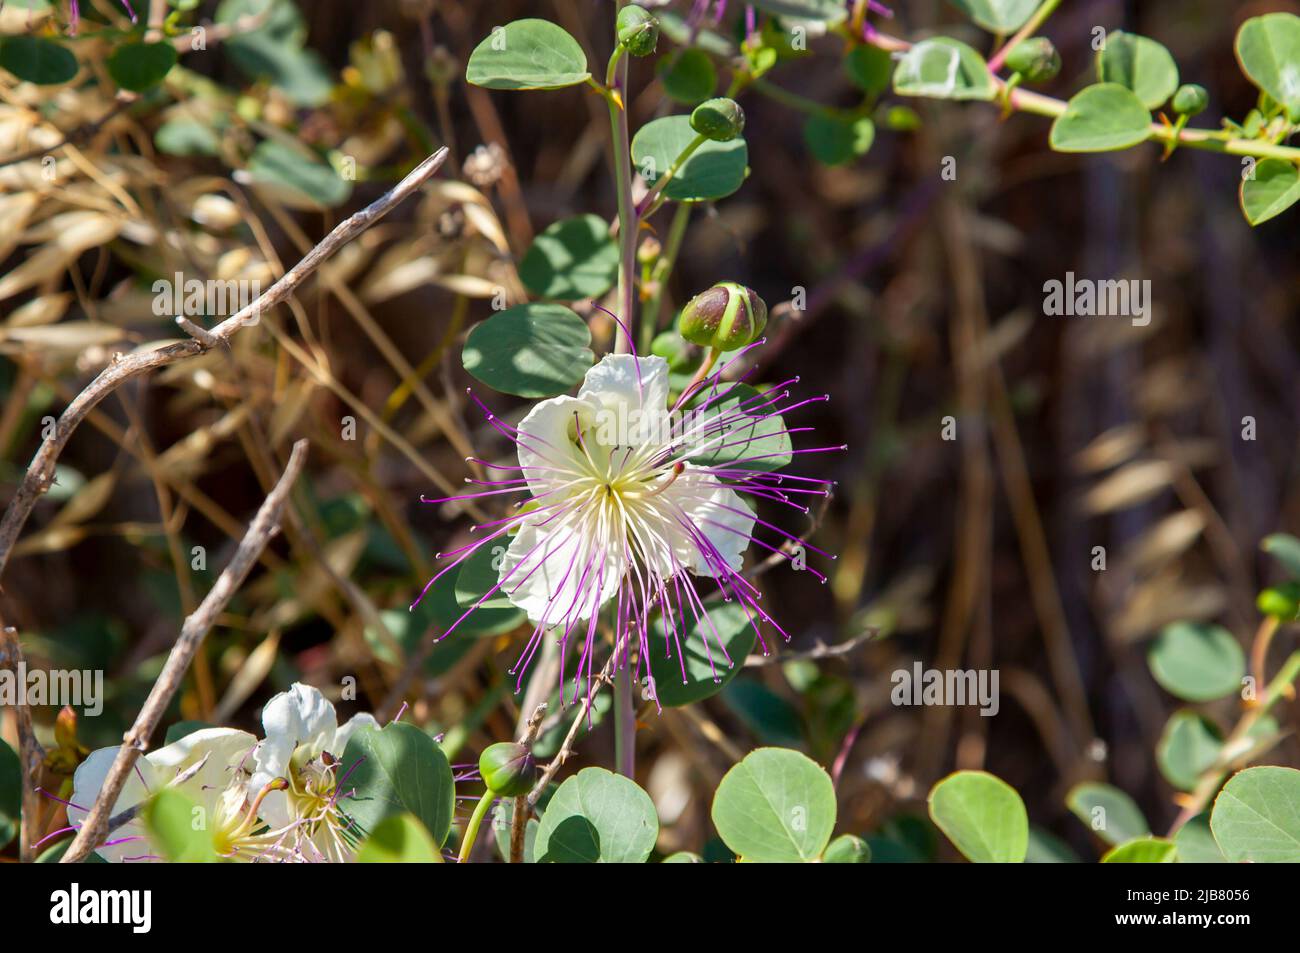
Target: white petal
300,716
225,751
86,783
559,574
634,392
717,512
546,442
637,381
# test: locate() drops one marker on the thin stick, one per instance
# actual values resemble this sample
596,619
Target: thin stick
566,749
30,752
265,525
519,816
40,474
817,653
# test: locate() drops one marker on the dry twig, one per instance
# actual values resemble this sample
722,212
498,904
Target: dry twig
40,474
265,525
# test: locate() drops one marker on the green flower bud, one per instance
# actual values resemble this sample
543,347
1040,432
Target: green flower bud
847,849
1035,59
648,252
638,31
1282,602
508,769
718,119
726,317
1191,100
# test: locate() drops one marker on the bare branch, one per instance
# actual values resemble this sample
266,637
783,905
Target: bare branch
519,817
566,749
40,474
817,653
265,525
30,753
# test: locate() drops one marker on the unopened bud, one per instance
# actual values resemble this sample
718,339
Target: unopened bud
718,119
638,31
1035,59
1191,100
647,253
725,317
1282,602
508,769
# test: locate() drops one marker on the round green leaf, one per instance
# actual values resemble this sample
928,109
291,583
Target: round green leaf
35,59
835,141
574,258
395,769
1110,813
530,350
275,51
688,75
1197,661
527,54
1101,118
1195,842
707,667
943,68
754,441
1140,64
714,170
683,857
1189,746
1144,850
1268,48
775,806
176,826
869,67
847,849
1256,816
997,16
400,839
983,816
11,793
138,66
1271,190
480,573
597,816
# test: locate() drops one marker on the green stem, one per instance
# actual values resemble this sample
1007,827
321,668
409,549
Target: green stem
1232,747
616,80
475,821
794,100
1208,140
663,271
702,372
624,722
